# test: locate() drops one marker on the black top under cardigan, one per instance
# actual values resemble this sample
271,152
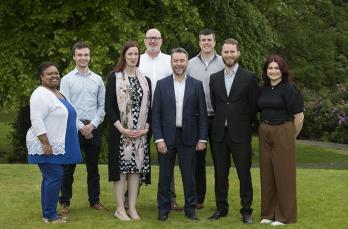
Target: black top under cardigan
113,114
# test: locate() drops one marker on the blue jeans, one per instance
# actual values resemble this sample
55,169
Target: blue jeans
52,175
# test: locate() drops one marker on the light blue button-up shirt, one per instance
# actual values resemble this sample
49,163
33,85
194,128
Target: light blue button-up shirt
87,94
229,77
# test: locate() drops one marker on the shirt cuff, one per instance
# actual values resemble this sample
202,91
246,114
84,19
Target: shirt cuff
159,140
94,124
80,125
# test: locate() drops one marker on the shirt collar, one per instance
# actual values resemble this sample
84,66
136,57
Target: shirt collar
149,57
212,57
178,81
234,70
76,72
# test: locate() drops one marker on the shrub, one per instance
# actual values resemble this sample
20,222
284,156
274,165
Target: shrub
326,115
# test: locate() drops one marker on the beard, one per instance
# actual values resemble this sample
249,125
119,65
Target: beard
152,48
230,62
179,71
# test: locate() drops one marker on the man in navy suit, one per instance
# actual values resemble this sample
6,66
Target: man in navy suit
180,127
234,93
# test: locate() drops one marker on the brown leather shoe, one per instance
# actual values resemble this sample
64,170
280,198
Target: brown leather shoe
200,206
98,206
64,209
175,207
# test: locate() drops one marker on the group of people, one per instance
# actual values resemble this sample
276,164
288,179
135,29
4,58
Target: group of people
180,103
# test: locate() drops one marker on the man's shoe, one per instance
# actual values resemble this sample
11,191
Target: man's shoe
175,207
217,215
98,206
247,219
162,217
64,209
200,206
192,217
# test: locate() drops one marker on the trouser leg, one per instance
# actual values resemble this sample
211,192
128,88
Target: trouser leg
266,173
166,166
52,175
241,153
66,187
285,173
222,165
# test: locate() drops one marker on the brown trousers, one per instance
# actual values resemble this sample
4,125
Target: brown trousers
278,172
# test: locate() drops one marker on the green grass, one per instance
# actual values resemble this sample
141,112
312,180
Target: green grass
5,145
322,201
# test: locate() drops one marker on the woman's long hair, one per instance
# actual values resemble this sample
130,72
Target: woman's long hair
121,63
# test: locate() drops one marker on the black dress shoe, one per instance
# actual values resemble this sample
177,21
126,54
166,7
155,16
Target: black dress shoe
192,217
162,217
217,215
247,219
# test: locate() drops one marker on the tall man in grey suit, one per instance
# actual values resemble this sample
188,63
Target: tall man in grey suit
180,127
233,93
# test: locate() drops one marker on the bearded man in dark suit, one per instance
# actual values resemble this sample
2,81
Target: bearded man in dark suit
233,93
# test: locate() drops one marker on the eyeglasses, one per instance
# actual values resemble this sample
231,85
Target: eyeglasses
153,38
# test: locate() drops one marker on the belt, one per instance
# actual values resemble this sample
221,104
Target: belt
274,122
85,122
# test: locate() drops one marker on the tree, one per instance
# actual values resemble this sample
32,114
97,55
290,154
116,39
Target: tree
35,30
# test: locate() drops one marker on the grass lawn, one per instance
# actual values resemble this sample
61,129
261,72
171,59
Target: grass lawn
322,201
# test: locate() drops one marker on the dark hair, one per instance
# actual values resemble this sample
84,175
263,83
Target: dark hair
43,66
121,63
232,42
207,31
179,50
80,45
283,67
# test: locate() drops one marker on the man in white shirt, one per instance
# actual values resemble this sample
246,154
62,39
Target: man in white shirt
156,65
180,127
86,91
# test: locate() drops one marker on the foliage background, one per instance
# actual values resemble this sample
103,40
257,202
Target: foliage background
311,35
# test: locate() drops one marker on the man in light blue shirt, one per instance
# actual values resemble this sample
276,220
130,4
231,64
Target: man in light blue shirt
86,91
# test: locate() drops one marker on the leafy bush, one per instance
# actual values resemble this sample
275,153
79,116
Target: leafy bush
326,115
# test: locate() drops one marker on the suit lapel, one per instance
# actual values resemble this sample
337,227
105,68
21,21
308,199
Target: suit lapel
171,91
188,89
235,83
221,83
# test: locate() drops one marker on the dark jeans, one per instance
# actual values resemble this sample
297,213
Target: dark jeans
201,181
91,148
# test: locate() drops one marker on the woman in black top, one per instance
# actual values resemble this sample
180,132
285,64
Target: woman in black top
281,107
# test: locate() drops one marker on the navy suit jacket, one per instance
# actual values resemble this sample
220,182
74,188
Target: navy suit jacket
195,117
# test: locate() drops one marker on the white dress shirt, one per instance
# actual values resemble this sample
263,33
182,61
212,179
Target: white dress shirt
179,89
155,68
